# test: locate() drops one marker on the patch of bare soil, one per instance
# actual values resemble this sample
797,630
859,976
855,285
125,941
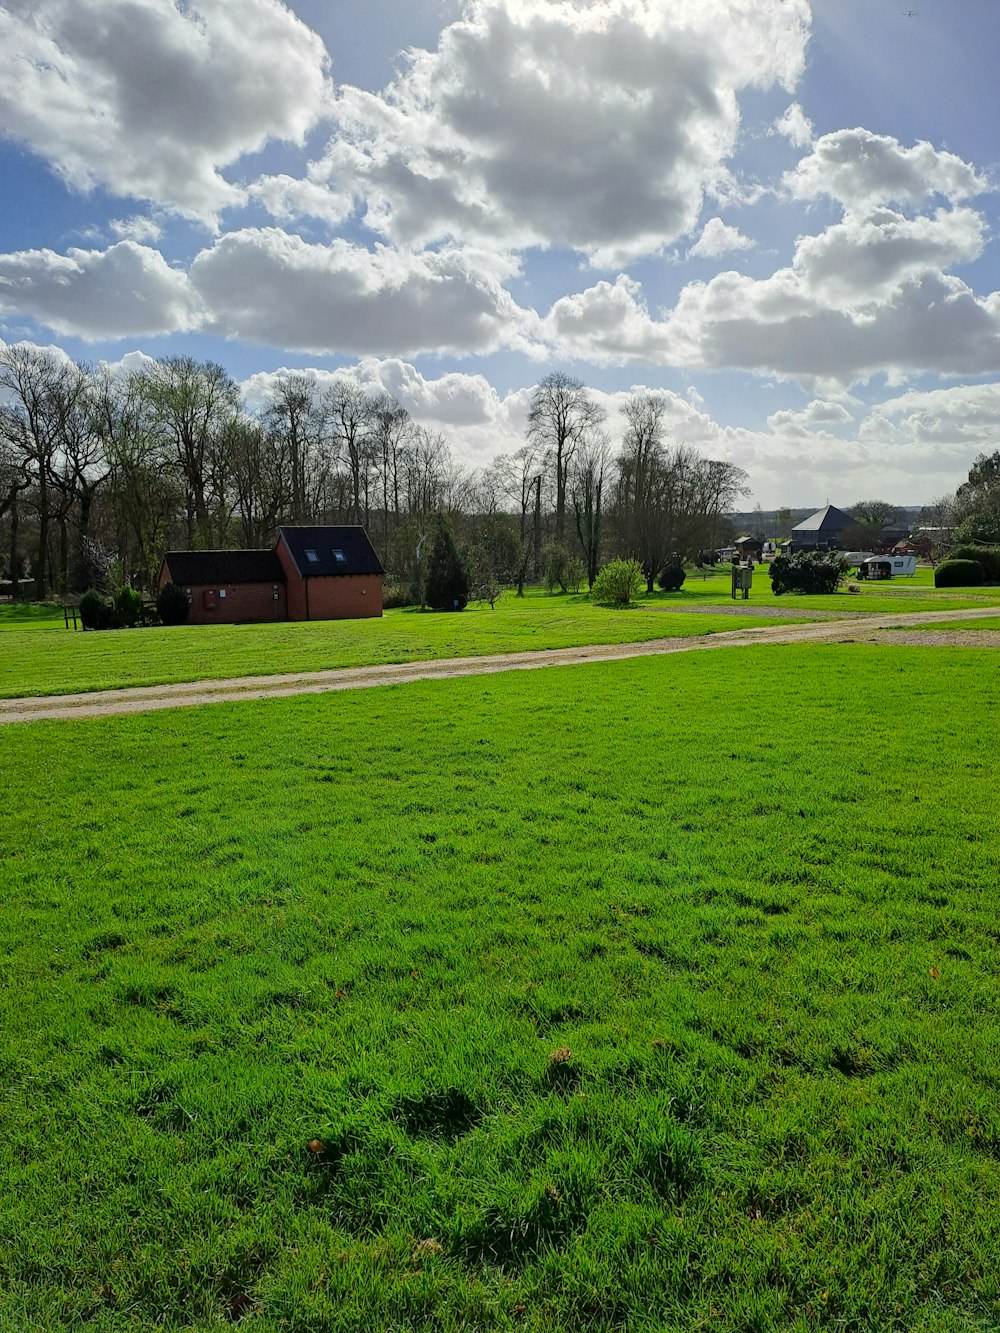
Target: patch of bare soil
889,629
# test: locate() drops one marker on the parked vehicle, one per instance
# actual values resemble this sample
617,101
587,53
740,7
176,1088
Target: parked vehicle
887,567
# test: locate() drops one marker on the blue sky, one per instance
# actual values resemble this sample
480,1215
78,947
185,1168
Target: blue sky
780,214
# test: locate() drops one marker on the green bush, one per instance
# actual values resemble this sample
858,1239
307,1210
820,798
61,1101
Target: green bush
807,572
959,574
96,610
987,556
128,605
671,576
172,604
617,583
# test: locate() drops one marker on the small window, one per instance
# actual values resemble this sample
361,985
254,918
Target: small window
339,556
312,557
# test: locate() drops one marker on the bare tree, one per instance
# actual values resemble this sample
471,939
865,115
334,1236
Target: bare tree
293,415
562,412
191,402
587,493
348,412
42,391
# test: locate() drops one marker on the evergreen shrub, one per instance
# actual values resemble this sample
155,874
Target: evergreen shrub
671,576
958,574
447,585
96,610
128,606
172,604
807,572
987,556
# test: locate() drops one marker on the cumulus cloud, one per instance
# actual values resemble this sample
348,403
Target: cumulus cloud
862,170
821,414
795,126
287,198
964,415
125,290
866,294
718,239
266,286
150,98
609,324
596,127
141,229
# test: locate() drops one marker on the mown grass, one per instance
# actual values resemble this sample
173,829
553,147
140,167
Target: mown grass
37,664
33,664
31,615
581,999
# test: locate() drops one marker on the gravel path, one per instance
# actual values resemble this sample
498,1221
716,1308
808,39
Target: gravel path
888,629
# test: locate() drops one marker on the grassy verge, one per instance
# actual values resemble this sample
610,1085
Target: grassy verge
570,1000
987,623
35,664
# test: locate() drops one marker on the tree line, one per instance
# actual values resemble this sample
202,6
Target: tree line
102,471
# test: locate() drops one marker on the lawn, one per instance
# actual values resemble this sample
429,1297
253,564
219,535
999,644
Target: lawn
570,1000
34,664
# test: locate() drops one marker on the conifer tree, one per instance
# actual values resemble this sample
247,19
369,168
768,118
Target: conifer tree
447,586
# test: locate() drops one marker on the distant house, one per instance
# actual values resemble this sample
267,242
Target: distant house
822,531
749,548
314,573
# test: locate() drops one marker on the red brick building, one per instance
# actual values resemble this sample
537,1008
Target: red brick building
314,573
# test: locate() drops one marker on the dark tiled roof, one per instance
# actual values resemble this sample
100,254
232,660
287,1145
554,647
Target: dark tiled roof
831,519
187,567
352,542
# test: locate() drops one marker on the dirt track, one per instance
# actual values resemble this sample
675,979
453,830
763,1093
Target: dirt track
859,629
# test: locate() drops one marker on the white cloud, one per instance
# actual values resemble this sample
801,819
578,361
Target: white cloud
862,170
125,290
963,415
718,239
269,287
142,229
287,198
865,295
858,263
150,98
607,324
596,127
795,126
821,414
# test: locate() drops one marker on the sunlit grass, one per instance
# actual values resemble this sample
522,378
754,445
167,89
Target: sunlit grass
565,1000
36,664
32,664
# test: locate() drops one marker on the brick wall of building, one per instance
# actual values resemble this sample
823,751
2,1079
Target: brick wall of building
236,603
344,597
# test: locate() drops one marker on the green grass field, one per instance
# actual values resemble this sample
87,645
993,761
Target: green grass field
60,663
581,999
34,664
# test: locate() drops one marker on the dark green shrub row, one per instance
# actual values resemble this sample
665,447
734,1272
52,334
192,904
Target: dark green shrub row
807,572
986,556
959,574
123,611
